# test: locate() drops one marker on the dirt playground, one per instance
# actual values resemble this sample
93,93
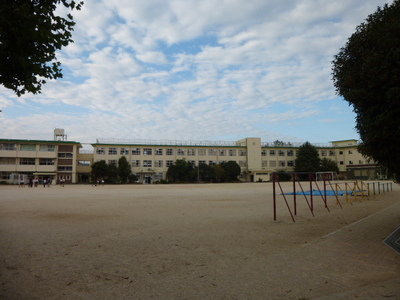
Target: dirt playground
195,241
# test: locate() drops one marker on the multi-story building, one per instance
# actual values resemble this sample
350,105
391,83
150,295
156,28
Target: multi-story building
149,160
31,159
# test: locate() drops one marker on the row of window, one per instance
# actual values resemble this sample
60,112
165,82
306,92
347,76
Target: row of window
171,151
202,152
27,147
168,163
26,161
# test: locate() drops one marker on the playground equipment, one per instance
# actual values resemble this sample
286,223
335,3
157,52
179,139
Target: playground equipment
357,190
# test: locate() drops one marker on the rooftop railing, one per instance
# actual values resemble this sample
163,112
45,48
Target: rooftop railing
112,141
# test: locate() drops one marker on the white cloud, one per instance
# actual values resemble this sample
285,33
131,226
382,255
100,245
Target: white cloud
184,69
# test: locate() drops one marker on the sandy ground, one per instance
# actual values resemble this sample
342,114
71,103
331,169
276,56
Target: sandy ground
214,241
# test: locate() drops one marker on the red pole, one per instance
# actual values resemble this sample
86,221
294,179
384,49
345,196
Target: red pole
311,192
294,194
325,200
274,194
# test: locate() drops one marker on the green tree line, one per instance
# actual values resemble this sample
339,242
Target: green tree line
180,171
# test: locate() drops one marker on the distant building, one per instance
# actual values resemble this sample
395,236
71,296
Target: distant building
150,159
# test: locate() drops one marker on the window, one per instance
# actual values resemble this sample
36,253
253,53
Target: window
331,153
242,152
263,152
112,151
350,162
7,161
4,176
272,152
135,163
323,153
47,148
202,152
158,176
169,163
202,162
340,152
46,161
64,168
65,155
84,163
341,163
222,152
181,152
360,162
232,152
290,153
26,161
8,147
28,147
124,151
192,162
272,163
281,163
242,163
290,163
136,151
158,163
159,151
147,151
147,163
281,153
191,152
212,163
170,151
212,151
100,150
264,163
112,162
350,152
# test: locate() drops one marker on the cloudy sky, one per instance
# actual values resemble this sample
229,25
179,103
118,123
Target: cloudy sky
196,70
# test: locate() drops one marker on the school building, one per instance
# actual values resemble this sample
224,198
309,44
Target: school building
149,159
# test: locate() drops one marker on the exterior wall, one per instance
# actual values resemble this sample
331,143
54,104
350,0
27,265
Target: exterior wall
62,160
38,159
151,162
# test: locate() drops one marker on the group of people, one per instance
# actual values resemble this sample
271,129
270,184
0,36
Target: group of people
34,182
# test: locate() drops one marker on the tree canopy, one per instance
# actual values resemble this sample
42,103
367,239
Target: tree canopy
307,159
366,72
124,169
30,35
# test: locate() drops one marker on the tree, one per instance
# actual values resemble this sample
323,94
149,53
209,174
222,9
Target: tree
232,170
112,173
328,165
220,174
124,169
366,72
307,159
179,171
207,173
30,34
99,170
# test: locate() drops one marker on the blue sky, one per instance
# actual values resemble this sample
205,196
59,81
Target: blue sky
196,70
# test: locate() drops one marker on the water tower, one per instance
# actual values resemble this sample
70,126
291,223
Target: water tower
59,135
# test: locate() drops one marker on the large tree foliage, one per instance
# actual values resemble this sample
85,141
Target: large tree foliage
328,165
366,72
124,169
180,171
307,159
99,170
232,170
30,35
